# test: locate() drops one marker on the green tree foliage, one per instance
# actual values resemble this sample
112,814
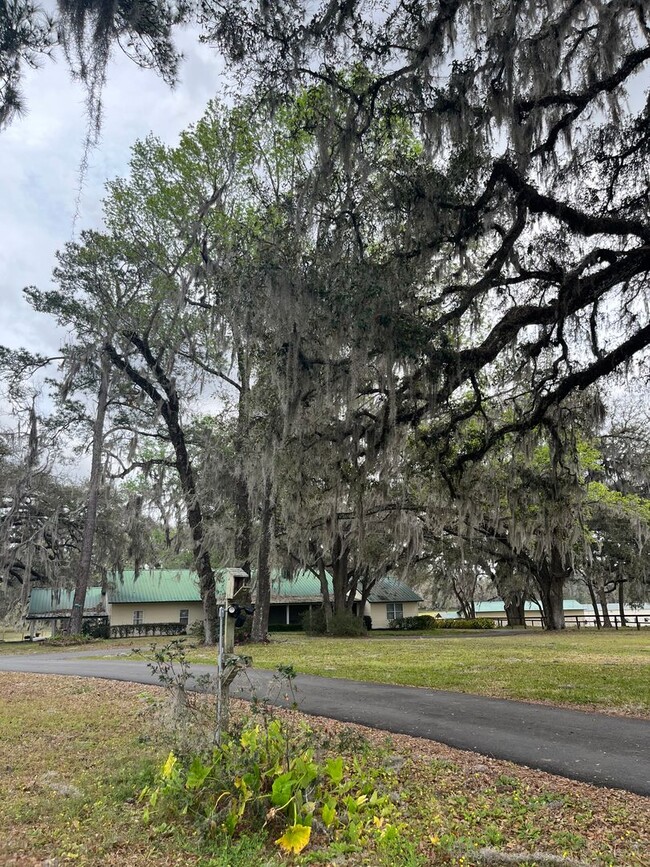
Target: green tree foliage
434,218
544,231
40,515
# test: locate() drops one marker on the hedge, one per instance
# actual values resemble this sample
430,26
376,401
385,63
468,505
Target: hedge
133,630
458,623
425,621
420,621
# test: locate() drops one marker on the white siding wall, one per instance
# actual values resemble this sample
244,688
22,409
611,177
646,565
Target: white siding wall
154,612
377,610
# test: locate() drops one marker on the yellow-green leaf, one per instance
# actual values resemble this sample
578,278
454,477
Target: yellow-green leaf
334,769
196,774
329,815
168,767
295,838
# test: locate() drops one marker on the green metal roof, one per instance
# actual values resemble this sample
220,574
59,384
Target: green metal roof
154,585
45,602
302,585
497,605
181,585
392,590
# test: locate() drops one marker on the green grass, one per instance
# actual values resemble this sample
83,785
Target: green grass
75,754
608,671
91,737
93,646
604,670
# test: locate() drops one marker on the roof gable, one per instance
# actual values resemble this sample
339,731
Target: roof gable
154,585
393,590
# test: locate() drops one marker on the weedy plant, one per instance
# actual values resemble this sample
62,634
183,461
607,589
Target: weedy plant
183,717
266,777
268,774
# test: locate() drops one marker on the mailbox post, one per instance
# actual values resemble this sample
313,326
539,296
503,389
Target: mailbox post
235,605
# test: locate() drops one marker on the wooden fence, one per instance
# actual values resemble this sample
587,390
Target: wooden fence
588,621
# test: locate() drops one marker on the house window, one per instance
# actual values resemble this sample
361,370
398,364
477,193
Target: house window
184,618
394,611
138,618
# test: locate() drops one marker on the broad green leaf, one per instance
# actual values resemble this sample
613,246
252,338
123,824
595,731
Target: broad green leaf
196,774
230,824
168,767
334,769
329,815
249,737
283,789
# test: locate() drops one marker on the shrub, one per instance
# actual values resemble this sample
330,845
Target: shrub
459,623
420,621
197,630
131,630
267,777
346,625
101,629
243,632
313,621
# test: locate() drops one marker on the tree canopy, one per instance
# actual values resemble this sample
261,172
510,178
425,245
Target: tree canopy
404,260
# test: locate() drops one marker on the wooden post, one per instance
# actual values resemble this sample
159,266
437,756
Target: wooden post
227,669
229,632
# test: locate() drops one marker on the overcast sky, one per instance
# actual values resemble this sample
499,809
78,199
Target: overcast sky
40,156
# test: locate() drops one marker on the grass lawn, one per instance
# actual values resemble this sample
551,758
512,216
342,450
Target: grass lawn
75,753
607,671
93,646
604,670
74,757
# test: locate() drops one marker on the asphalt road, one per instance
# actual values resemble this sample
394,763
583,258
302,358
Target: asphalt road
595,748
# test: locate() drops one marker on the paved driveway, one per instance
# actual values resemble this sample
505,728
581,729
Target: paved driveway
595,748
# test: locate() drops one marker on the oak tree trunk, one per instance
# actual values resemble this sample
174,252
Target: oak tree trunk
607,623
621,602
263,599
594,602
325,593
550,578
339,575
514,605
90,519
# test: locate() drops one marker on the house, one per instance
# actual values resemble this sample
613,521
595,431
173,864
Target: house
166,596
496,611
391,599
159,596
54,607
291,598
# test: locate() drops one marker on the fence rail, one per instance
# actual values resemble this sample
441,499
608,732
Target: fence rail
587,621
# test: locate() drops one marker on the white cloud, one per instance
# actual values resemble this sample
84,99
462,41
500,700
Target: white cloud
40,156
